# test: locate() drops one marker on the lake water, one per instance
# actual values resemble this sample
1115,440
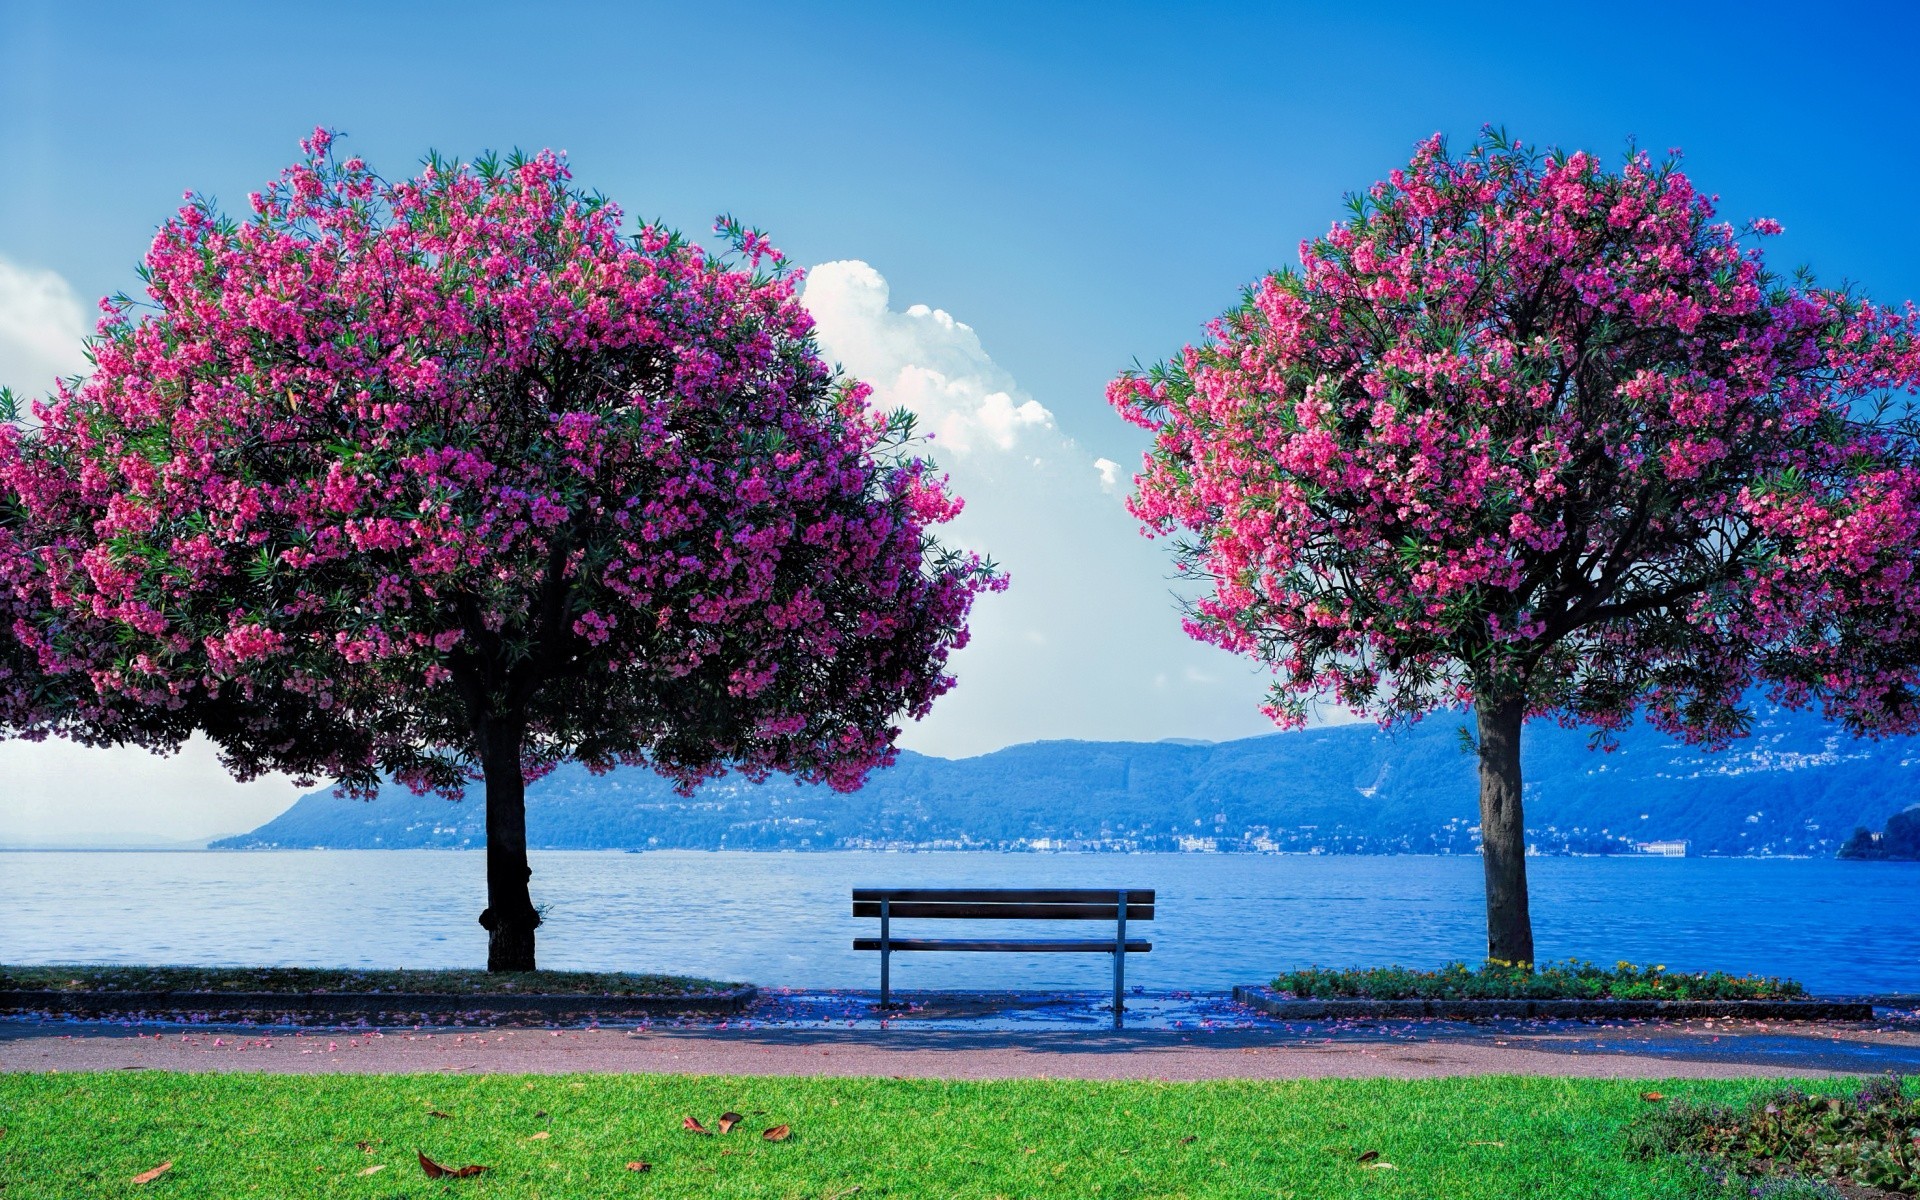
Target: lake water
784,919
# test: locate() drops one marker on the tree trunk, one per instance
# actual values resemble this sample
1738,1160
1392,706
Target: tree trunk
509,918
1503,832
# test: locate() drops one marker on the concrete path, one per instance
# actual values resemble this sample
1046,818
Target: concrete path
1273,1051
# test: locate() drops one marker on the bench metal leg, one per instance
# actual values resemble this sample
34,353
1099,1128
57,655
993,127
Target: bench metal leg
886,953
1119,961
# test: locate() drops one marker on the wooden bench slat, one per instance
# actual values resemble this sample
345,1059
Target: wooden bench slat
1022,912
1006,895
1036,946
1008,904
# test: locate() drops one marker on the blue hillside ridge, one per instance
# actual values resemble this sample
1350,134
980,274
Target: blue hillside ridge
1798,786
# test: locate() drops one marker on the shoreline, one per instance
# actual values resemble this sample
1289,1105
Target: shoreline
916,850
1247,1009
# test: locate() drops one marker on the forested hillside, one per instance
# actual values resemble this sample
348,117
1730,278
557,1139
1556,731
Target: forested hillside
1797,786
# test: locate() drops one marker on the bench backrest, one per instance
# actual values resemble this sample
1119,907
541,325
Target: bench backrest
1023,904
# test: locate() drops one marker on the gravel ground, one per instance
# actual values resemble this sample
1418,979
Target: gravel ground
1177,1036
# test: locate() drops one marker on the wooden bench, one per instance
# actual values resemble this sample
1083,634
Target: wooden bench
1118,905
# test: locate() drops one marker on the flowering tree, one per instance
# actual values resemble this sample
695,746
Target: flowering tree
447,479
43,691
29,700
1543,438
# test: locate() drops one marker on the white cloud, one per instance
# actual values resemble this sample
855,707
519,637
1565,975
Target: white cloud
42,327
922,359
1087,642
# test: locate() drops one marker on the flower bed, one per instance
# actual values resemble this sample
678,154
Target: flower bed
1792,1143
1570,980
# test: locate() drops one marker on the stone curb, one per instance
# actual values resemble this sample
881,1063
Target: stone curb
370,1005
1270,1002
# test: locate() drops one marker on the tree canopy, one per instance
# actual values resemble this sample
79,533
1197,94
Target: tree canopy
450,477
1542,437
1526,424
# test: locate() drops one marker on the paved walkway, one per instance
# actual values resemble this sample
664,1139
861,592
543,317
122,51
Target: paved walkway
839,1036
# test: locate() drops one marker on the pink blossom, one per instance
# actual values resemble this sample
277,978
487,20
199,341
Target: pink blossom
389,469
1527,426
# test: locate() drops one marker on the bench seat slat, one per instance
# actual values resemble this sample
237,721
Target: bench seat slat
1023,912
1006,895
1035,946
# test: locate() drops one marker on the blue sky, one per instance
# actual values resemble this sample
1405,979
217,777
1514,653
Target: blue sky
1065,188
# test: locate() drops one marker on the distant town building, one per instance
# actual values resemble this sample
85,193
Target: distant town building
1664,849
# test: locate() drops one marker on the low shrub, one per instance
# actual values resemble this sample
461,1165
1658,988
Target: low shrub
1792,1144
309,980
1571,980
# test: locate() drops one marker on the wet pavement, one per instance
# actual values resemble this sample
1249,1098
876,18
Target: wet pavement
1171,1035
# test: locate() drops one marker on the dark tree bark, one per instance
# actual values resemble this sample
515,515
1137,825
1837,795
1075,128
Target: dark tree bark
509,917
1503,832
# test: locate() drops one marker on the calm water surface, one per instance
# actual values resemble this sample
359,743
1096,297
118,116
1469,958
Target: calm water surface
783,919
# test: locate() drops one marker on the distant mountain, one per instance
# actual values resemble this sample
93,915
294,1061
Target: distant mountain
1797,786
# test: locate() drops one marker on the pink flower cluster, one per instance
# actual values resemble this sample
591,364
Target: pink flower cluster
1525,426
386,462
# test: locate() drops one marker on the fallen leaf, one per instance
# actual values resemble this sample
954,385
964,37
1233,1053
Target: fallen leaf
537,1136
435,1171
639,1166
1379,1166
779,1133
729,1152
1368,1157
443,1116
157,1172
693,1125
1652,1097
728,1120
372,1170
1189,1139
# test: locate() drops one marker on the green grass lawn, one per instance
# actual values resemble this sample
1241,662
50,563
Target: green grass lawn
78,1135
298,980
